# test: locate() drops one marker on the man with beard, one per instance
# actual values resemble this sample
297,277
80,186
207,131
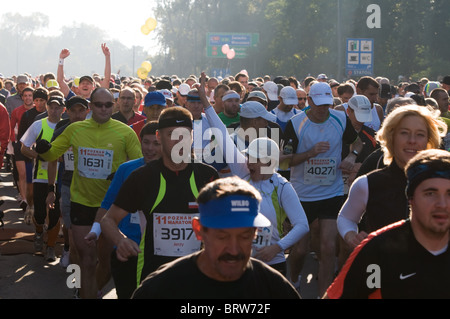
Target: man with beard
223,269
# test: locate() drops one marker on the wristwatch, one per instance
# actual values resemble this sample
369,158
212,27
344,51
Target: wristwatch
354,152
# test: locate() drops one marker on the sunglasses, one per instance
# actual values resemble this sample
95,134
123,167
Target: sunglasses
302,98
108,105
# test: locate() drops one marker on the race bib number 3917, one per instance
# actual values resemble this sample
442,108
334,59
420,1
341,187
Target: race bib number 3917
173,235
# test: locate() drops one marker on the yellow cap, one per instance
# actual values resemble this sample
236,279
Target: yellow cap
52,84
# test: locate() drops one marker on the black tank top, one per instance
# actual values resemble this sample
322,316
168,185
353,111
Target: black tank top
387,202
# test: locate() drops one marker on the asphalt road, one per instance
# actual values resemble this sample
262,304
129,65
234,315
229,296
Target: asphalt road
26,275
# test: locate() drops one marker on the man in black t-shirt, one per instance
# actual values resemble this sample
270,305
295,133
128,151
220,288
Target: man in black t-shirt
408,259
165,192
229,216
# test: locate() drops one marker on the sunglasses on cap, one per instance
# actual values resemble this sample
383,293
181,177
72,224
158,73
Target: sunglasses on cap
56,99
108,105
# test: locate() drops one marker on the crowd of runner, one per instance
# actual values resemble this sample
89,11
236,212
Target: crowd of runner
118,164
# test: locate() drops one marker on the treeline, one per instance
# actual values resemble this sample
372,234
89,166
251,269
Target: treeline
296,37
301,37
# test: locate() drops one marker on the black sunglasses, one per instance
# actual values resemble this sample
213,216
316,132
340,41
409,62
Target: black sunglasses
108,105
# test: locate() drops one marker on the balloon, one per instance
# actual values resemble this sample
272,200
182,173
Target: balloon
225,48
142,73
231,54
151,24
145,29
147,66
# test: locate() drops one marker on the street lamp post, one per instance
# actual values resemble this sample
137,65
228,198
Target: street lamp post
339,39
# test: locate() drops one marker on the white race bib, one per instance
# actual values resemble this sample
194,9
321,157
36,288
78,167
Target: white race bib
69,160
95,163
173,235
320,171
263,237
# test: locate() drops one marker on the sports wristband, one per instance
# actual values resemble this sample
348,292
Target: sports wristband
96,228
61,61
51,188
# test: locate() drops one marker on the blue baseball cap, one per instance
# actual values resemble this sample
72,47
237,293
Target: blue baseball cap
155,98
235,211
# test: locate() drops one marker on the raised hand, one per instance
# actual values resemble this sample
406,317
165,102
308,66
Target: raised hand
105,50
64,53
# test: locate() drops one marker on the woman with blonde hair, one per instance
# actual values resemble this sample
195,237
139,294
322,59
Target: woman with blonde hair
380,195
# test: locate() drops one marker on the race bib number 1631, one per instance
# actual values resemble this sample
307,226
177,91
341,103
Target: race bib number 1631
95,163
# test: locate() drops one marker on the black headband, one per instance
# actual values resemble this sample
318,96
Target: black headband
171,122
193,98
418,174
56,99
39,94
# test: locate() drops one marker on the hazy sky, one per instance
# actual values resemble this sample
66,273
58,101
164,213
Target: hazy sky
121,20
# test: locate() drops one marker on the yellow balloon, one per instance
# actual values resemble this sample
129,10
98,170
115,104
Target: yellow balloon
145,29
151,23
147,65
142,73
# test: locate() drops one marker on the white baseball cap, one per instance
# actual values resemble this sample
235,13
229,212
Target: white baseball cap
253,110
321,94
257,94
167,94
263,147
184,89
289,95
272,90
362,108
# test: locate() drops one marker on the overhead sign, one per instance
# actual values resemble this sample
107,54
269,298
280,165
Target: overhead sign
360,54
240,42
217,72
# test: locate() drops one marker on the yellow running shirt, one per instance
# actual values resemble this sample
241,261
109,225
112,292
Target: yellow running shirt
98,149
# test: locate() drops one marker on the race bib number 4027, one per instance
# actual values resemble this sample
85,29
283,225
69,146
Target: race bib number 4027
173,235
94,163
320,171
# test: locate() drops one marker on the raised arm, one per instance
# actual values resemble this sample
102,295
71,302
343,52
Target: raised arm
107,53
64,88
233,157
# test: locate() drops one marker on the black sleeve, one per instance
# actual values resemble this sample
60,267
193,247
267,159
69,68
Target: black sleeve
289,133
350,135
23,126
58,131
131,194
372,162
205,174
